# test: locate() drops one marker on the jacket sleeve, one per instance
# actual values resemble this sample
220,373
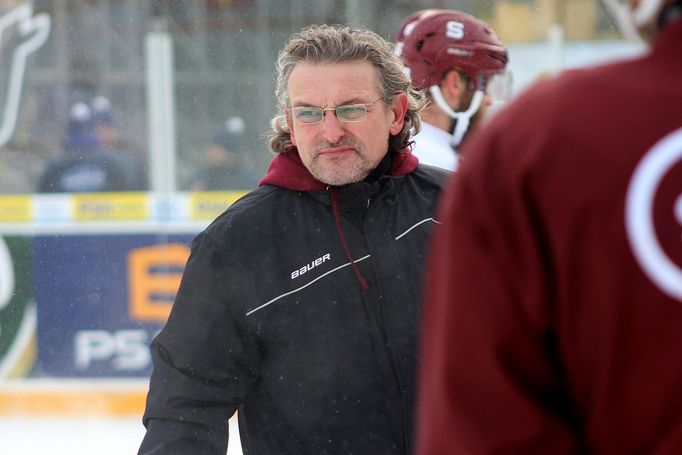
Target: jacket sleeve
204,361
489,379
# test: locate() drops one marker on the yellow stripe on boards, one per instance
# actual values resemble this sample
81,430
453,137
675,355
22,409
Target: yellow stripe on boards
39,398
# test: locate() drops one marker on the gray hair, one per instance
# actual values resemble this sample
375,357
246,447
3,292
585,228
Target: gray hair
324,44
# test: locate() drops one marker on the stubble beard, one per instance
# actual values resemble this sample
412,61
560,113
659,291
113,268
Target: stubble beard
337,172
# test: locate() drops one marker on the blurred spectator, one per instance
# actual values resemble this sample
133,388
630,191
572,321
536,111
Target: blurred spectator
107,132
223,169
86,166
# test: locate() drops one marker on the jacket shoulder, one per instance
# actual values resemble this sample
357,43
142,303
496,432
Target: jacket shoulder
432,174
250,208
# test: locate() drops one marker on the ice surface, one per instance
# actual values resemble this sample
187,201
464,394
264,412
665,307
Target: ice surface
80,436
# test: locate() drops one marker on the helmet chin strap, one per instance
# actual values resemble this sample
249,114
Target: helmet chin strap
463,117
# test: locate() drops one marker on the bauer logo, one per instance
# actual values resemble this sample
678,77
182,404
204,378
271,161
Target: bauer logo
21,34
653,214
308,267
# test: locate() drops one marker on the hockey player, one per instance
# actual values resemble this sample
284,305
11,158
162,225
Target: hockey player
553,320
452,56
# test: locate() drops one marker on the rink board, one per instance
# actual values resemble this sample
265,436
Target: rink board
84,309
101,298
86,281
40,397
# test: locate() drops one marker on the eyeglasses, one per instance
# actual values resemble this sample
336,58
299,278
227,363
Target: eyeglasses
345,113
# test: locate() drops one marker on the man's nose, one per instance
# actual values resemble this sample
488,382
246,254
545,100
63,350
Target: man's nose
333,127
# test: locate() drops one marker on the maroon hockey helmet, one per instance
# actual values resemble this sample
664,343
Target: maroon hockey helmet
433,41
408,24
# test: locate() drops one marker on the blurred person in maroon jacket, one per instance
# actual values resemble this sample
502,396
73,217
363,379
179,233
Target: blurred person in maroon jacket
553,318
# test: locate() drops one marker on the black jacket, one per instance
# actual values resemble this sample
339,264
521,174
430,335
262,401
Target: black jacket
317,352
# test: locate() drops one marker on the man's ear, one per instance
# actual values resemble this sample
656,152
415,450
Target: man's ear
451,87
290,125
400,104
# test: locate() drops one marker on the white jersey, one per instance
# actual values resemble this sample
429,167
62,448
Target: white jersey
433,146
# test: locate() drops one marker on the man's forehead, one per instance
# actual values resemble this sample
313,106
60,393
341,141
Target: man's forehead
342,82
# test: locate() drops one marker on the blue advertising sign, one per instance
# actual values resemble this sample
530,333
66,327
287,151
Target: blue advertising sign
101,298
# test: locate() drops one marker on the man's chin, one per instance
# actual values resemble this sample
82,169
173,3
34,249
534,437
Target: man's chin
337,177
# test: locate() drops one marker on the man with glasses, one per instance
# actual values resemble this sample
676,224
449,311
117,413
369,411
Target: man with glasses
457,60
299,306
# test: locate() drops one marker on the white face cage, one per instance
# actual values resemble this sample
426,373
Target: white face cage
498,86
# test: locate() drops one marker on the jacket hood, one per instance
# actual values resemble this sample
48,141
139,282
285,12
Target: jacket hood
286,170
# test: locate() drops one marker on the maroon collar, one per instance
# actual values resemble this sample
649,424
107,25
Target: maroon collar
286,170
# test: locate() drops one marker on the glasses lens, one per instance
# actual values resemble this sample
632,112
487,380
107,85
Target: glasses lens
351,112
308,114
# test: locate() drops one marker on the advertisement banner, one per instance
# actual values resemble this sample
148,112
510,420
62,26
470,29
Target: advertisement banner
102,298
17,308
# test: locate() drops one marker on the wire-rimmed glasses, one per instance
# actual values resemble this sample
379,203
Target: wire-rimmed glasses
345,113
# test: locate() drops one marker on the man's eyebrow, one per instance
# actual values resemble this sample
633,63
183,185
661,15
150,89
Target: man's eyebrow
357,99
303,104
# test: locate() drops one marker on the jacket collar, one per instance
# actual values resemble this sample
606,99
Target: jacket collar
286,170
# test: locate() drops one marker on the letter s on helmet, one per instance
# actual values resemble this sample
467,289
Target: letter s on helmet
431,42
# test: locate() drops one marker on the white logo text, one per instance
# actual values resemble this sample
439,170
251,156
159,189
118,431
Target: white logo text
309,267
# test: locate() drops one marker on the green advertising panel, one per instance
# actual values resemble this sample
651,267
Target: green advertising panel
17,308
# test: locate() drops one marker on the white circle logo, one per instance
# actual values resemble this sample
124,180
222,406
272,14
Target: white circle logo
639,217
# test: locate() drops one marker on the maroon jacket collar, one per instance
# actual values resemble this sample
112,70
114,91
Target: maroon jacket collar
286,170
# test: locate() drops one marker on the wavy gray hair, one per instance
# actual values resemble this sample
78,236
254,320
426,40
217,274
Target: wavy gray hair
323,44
